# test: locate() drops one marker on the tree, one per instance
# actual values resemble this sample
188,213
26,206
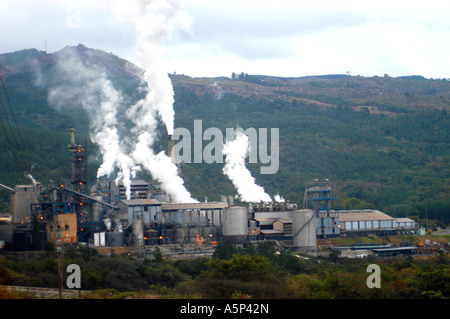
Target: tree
286,261
435,283
252,275
157,255
266,249
334,255
248,248
243,268
225,250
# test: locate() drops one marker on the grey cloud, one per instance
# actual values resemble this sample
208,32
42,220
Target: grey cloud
257,33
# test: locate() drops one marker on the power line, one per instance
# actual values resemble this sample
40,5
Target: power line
15,121
20,145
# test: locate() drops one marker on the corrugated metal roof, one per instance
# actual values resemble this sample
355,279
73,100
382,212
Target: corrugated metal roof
141,202
135,182
405,220
271,231
266,221
356,215
194,206
152,201
134,202
396,248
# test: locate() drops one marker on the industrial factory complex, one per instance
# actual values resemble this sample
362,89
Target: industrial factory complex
102,216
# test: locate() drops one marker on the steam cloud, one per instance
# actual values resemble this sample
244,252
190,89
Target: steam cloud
87,85
28,175
154,22
236,152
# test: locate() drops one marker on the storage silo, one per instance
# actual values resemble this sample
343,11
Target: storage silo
304,226
235,224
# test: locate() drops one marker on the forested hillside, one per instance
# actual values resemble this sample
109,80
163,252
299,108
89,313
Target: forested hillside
382,141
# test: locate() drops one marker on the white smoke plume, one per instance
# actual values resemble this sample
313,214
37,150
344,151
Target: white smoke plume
278,198
28,175
154,20
236,152
162,169
88,86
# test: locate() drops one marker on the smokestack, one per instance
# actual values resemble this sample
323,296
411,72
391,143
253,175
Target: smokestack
170,148
72,136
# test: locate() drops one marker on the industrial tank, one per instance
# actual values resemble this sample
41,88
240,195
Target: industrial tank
235,224
304,226
115,238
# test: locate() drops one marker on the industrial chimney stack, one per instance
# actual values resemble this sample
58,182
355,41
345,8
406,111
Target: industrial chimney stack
72,137
170,148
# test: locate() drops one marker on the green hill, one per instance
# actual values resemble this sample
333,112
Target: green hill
382,141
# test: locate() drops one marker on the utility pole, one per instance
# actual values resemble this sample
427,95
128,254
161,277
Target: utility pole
59,250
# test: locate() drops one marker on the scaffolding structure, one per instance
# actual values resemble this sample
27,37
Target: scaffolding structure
319,198
79,176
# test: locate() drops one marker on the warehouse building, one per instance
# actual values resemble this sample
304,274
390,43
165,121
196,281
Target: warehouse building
351,222
371,220
278,229
406,224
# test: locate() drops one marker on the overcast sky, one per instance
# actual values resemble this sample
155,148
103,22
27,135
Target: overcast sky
280,38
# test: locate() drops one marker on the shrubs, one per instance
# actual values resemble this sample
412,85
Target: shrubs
237,272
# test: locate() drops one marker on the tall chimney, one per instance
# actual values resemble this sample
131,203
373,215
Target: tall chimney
72,137
170,148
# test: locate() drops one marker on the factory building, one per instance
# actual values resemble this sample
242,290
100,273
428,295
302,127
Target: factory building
110,191
285,223
373,221
149,210
65,225
22,196
41,215
108,217
351,222
270,220
167,223
148,221
407,225
16,227
193,222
